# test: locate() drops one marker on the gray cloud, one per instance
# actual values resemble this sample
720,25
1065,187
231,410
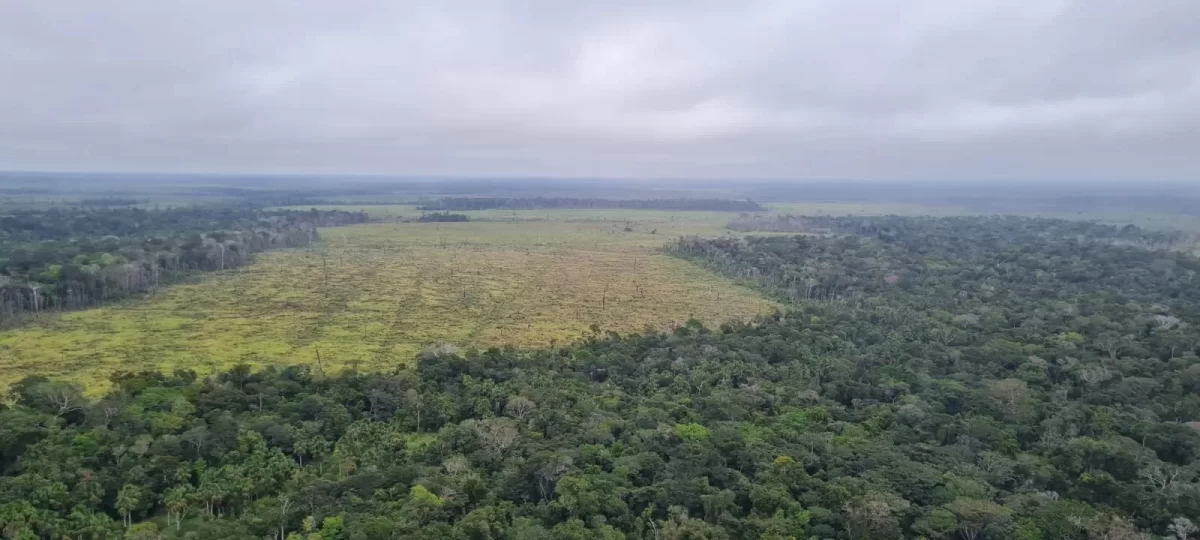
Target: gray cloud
883,89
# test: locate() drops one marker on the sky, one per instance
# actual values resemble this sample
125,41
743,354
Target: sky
1034,90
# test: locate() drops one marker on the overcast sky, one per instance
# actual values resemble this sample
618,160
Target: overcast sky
1084,90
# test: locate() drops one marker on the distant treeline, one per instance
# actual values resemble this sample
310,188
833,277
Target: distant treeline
544,203
70,258
891,227
109,201
443,217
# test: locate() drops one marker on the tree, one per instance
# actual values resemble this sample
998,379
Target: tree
682,527
1111,343
423,506
874,515
1111,527
1009,397
979,518
413,399
862,411
519,407
56,398
498,434
1182,528
129,499
196,437
177,500
940,522
692,432
285,505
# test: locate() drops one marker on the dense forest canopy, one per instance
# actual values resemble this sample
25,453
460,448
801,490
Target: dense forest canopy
71,257
540,203
1017,229
68,222
964,378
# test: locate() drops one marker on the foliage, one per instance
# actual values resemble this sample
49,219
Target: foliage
1012,383
440,217
373,296
74,257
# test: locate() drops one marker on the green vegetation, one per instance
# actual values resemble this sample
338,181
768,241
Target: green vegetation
529,362
74,257
892,227
956,378
374,295
865,209
1152,220
374,212
443,217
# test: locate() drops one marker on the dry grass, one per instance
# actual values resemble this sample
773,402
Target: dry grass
374,295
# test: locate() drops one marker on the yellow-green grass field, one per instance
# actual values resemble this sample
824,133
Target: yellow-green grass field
374,295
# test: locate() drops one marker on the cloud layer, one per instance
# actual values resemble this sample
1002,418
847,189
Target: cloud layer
1083,90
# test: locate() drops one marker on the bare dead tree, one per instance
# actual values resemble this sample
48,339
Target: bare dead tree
519,407
64,400
285,504
498,434
196,437
33,288
109,414
1093,375
413,399
1163,479
548,475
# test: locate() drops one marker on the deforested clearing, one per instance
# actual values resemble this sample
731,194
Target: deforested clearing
373,296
